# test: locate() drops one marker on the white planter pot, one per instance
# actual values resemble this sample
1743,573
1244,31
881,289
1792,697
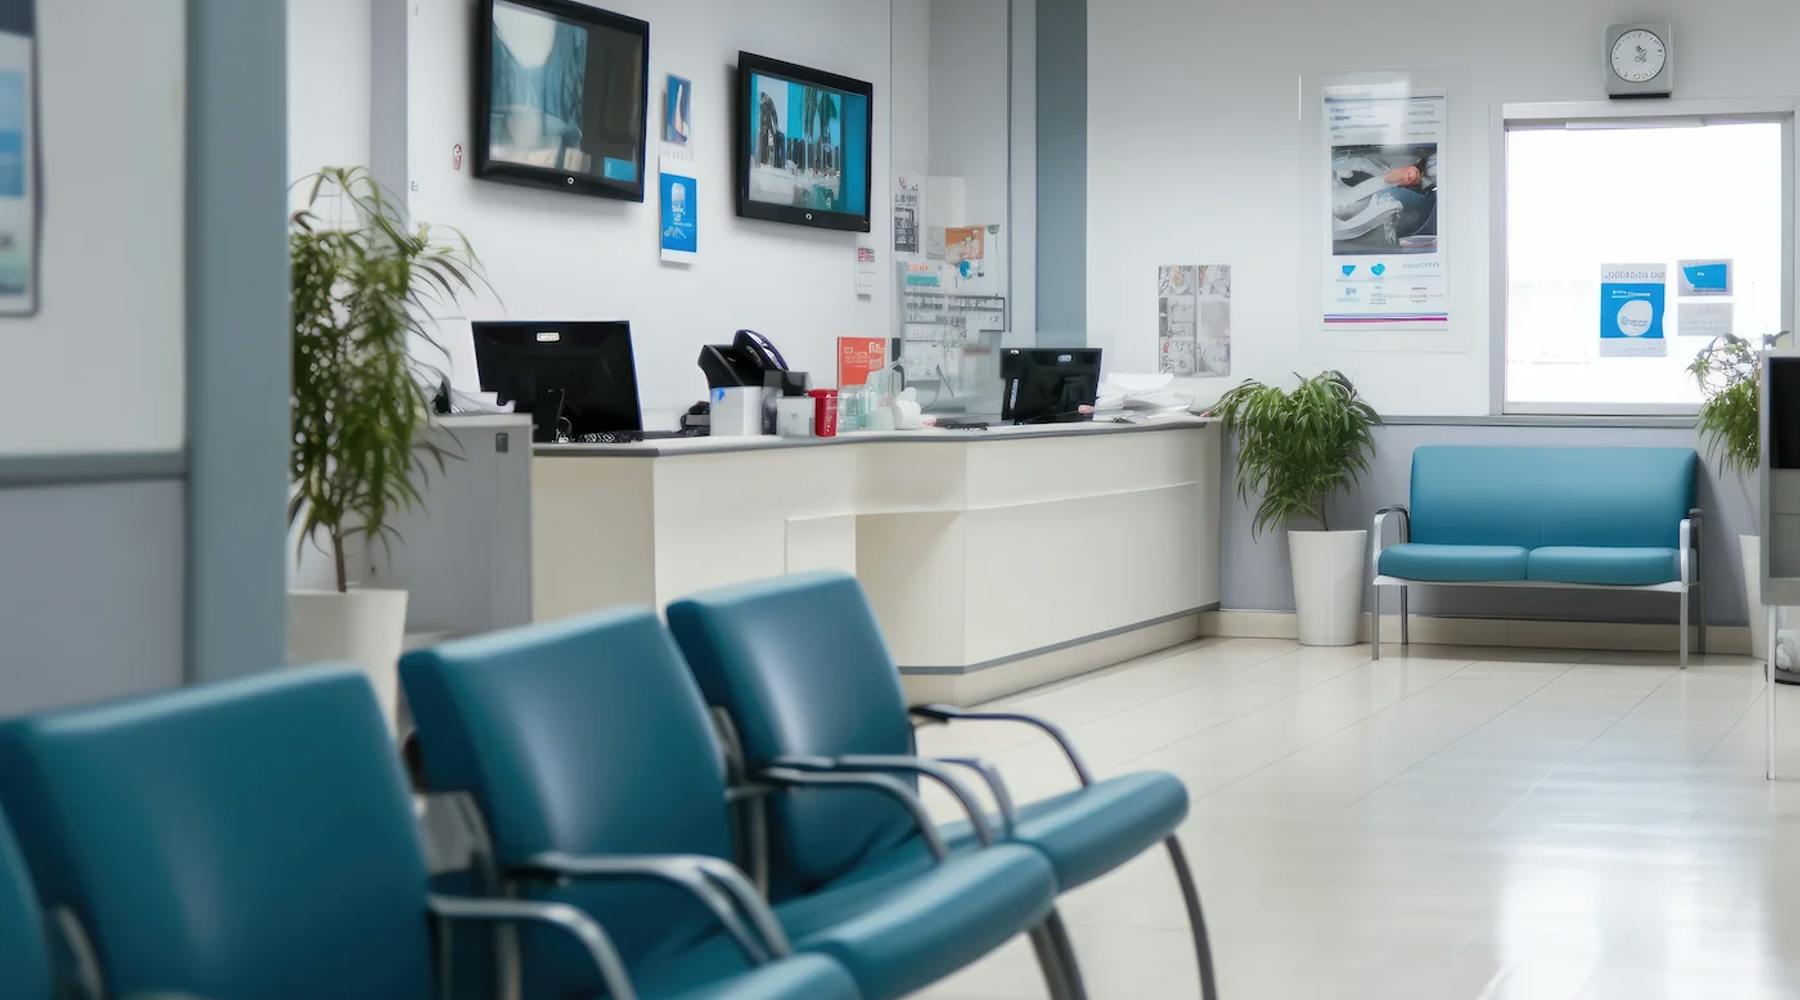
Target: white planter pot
362,627
1328,584
1750,547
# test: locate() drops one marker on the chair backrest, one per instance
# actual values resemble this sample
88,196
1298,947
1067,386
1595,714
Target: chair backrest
584,736
1532,497
24,960
246,839
799,664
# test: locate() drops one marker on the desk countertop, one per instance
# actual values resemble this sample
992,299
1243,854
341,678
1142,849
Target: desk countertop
672,447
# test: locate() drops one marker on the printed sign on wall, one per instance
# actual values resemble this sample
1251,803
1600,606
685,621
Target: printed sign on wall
1632,301
18,159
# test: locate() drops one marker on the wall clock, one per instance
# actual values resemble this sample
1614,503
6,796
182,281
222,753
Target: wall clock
1640,60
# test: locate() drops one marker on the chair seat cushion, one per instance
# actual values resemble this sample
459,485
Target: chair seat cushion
1619,567
800,977
896,929
1453,563
1091,831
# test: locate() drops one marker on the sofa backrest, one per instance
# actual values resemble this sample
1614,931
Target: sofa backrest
1531,497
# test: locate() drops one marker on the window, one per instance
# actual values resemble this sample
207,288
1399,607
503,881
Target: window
1583,194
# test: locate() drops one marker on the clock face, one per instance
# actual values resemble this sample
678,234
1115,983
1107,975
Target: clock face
1638,56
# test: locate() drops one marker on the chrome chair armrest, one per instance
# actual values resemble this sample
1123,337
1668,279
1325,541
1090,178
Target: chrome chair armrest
1685,549
788,777
715,884
950,713
562,916
896,763
1003,802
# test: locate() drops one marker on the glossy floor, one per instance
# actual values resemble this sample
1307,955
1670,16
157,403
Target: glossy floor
1446,823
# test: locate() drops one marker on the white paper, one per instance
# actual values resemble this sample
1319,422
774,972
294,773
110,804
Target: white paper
1705,276
1194,319
865,271
1703,319
1384,264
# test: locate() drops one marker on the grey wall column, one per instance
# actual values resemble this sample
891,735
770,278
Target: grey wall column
1062,92
238,361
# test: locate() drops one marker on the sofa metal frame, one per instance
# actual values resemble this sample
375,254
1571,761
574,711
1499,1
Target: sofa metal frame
1688,586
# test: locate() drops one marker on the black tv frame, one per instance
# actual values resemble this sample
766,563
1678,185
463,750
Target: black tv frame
544,177
748,208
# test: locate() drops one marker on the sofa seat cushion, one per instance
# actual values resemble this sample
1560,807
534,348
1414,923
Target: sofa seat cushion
1453,563
1619,567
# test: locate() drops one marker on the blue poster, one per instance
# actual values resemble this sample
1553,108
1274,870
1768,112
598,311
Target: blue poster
1631,310
680,218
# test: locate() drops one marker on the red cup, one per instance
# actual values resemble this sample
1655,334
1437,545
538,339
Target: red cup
825,412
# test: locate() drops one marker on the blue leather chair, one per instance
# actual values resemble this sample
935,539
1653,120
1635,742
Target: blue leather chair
1590,518
251,839
24,959
590,756
799,666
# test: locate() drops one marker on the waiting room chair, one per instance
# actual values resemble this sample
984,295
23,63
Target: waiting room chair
24,955
254,839
593,763
799,666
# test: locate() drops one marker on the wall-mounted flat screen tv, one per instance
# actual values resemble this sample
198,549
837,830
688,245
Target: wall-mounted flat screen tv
803,145
561,97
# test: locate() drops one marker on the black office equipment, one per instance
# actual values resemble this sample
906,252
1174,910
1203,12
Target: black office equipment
746,361
574,378
560,98
1049,385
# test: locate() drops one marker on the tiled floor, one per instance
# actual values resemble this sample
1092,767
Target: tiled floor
1450,823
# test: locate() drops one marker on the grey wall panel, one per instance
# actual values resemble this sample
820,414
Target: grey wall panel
1255,571
90,592
1062,93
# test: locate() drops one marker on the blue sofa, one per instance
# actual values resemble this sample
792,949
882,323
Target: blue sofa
1606,518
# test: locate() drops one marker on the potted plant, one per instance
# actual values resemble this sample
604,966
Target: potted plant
1295,451
361,282
1729,370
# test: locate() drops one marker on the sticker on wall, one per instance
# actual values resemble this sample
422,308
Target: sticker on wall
1194,320
1704,277
865,271
1703,319
1632,300
678,110
19,170
680,218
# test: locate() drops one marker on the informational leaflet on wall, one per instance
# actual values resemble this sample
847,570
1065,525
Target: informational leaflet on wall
1703,319
1703,278
679,233
908,217
1632,303
1384,261
857,358
1194,319
18,159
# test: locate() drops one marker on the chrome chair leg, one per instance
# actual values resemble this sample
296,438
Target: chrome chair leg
1057,933
1209,987
1405,625
1375,621
1056,980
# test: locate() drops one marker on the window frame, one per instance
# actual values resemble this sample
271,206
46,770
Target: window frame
1618,113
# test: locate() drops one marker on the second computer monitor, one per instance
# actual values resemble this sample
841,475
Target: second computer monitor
1047,385
575,378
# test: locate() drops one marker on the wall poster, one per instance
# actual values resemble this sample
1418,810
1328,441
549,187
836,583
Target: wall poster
679,232
1632,300
19,176
1384,258
1194,320
907,218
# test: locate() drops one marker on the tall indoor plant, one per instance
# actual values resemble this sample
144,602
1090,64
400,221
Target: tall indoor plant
1729,370
1295,451
362,281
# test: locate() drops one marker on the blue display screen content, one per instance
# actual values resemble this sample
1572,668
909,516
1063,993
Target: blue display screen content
565,96
808,146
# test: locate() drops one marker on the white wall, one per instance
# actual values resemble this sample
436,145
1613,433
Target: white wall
328,84
1195,154
101,367
558,256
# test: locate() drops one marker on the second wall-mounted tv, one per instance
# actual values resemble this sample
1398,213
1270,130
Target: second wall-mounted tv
561,96
803,145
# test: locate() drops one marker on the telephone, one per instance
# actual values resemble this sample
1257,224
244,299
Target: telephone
743,362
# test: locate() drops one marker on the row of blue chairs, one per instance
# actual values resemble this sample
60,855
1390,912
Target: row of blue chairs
257,839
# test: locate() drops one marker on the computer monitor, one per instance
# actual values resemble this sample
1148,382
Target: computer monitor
1048,384
574,378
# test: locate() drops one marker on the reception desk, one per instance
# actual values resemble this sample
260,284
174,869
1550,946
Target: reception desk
996,560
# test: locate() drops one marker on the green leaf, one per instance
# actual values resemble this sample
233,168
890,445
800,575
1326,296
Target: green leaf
1296,449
